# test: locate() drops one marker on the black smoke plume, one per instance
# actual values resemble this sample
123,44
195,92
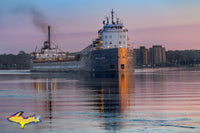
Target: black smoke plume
38,18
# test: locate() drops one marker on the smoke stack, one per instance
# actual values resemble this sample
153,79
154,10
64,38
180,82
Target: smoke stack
49,41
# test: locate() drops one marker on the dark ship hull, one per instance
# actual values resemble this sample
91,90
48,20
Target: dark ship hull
104,60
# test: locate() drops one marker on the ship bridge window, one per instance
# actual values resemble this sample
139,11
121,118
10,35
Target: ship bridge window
122,66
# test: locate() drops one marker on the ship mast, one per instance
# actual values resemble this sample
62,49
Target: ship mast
49,41
112,13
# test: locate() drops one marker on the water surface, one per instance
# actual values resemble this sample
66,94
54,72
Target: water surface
150,100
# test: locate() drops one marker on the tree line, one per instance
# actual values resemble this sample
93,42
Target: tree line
185,57
11,61
21,60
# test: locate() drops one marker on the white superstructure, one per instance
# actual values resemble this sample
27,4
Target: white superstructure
47,53
50,54
113,34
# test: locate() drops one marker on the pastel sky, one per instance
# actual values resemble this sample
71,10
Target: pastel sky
175,24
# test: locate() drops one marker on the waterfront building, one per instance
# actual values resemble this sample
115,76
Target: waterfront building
143,55
163,55
157,55
154,56
136,57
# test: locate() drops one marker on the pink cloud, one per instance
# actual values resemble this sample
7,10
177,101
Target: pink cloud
172,37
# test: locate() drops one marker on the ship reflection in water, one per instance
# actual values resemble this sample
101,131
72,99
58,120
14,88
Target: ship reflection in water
115,100
106,95
153,100
47,88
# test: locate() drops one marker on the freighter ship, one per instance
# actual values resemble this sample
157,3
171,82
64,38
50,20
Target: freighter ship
109,52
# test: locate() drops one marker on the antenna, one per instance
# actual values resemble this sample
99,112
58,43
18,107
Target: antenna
35,49
107,20
112,14
117,20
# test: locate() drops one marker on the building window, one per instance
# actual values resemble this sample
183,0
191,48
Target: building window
110,36
110,42
121,37
106,42
122,66
124,42
124,36
112,66
119,42
105,36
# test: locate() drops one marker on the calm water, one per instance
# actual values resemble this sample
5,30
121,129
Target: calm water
153,100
